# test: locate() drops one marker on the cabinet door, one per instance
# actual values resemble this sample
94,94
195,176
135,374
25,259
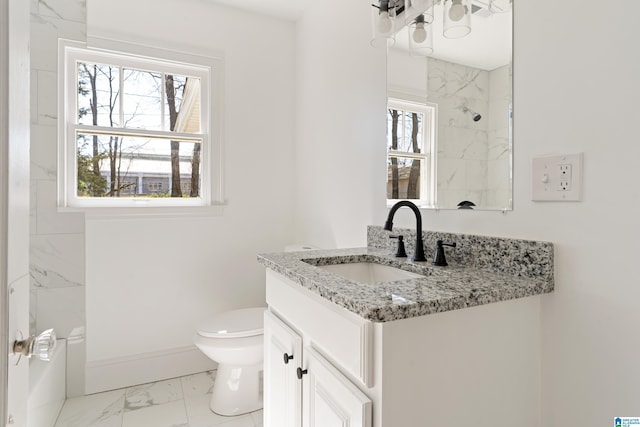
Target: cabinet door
329,398
282,389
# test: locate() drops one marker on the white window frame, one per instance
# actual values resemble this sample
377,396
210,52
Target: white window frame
210,72
428,187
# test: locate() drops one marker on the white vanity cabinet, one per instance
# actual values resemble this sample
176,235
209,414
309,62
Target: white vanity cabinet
475,366
301,387
282,388
304,389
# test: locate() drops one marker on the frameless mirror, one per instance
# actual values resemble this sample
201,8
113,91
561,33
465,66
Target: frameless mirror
450,127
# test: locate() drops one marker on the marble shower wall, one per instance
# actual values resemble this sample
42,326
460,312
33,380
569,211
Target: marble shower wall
57,241
473,157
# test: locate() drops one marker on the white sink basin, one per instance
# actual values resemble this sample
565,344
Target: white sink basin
369,272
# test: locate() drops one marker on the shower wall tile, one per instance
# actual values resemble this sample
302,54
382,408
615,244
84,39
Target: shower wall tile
57,244
61,309
57,261
49,220
68,10
45,31
47,98
33,96
44,152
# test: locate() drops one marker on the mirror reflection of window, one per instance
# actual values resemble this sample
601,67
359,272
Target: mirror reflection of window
410,148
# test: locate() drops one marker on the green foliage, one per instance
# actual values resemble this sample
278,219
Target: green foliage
90,182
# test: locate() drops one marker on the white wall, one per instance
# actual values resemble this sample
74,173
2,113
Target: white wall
575,91
150,281
340,124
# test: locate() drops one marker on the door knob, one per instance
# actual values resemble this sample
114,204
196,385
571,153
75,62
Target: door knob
41,346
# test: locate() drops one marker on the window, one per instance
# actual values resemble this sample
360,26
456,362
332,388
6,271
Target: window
138,130
410,148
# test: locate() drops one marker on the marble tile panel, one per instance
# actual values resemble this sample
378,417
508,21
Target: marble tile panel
498,176
500,82
47,98
170,414
212,420
49,220
45,32
462,143
44,152
197,393
57,260
33,100
476,175
153,394
452,174
98,410
499,114
33,193
436,78
61,309
498,145
33,309
69,10
466,81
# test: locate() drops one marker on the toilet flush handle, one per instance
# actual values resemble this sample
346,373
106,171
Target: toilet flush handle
287,358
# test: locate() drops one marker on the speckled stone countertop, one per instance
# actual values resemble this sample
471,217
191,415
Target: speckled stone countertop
495,270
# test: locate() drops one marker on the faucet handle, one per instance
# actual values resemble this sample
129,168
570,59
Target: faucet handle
400,252
440,259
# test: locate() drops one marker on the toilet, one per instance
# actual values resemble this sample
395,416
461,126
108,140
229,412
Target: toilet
234,339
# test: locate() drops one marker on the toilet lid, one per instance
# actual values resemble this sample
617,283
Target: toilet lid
246,322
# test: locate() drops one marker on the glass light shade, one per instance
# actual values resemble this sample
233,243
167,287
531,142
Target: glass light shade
413,8
420,38
382,26
500,6
457,18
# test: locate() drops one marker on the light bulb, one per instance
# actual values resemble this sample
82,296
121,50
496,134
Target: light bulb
457,10
384,23
419,34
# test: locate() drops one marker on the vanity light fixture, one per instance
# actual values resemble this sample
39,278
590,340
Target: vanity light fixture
389,16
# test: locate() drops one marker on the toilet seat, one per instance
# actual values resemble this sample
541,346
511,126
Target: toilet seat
246,322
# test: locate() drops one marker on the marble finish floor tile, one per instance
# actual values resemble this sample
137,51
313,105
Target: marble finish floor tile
178,402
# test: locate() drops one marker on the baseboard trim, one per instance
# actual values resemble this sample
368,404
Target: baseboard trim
126,371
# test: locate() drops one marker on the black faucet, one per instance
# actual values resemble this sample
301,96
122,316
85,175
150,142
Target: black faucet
419,253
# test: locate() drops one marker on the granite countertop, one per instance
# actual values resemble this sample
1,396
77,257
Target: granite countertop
442,289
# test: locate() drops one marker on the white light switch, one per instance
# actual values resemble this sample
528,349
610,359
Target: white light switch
557,178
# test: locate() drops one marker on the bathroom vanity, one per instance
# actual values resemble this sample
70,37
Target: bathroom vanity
359,345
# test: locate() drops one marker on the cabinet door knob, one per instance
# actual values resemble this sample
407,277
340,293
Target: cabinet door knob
301,372
287,358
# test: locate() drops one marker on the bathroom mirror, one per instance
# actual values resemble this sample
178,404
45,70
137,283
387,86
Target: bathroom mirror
466,83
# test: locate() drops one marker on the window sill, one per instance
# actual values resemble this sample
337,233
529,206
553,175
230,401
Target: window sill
102,213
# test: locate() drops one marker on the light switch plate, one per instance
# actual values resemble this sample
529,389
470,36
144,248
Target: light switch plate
557,178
